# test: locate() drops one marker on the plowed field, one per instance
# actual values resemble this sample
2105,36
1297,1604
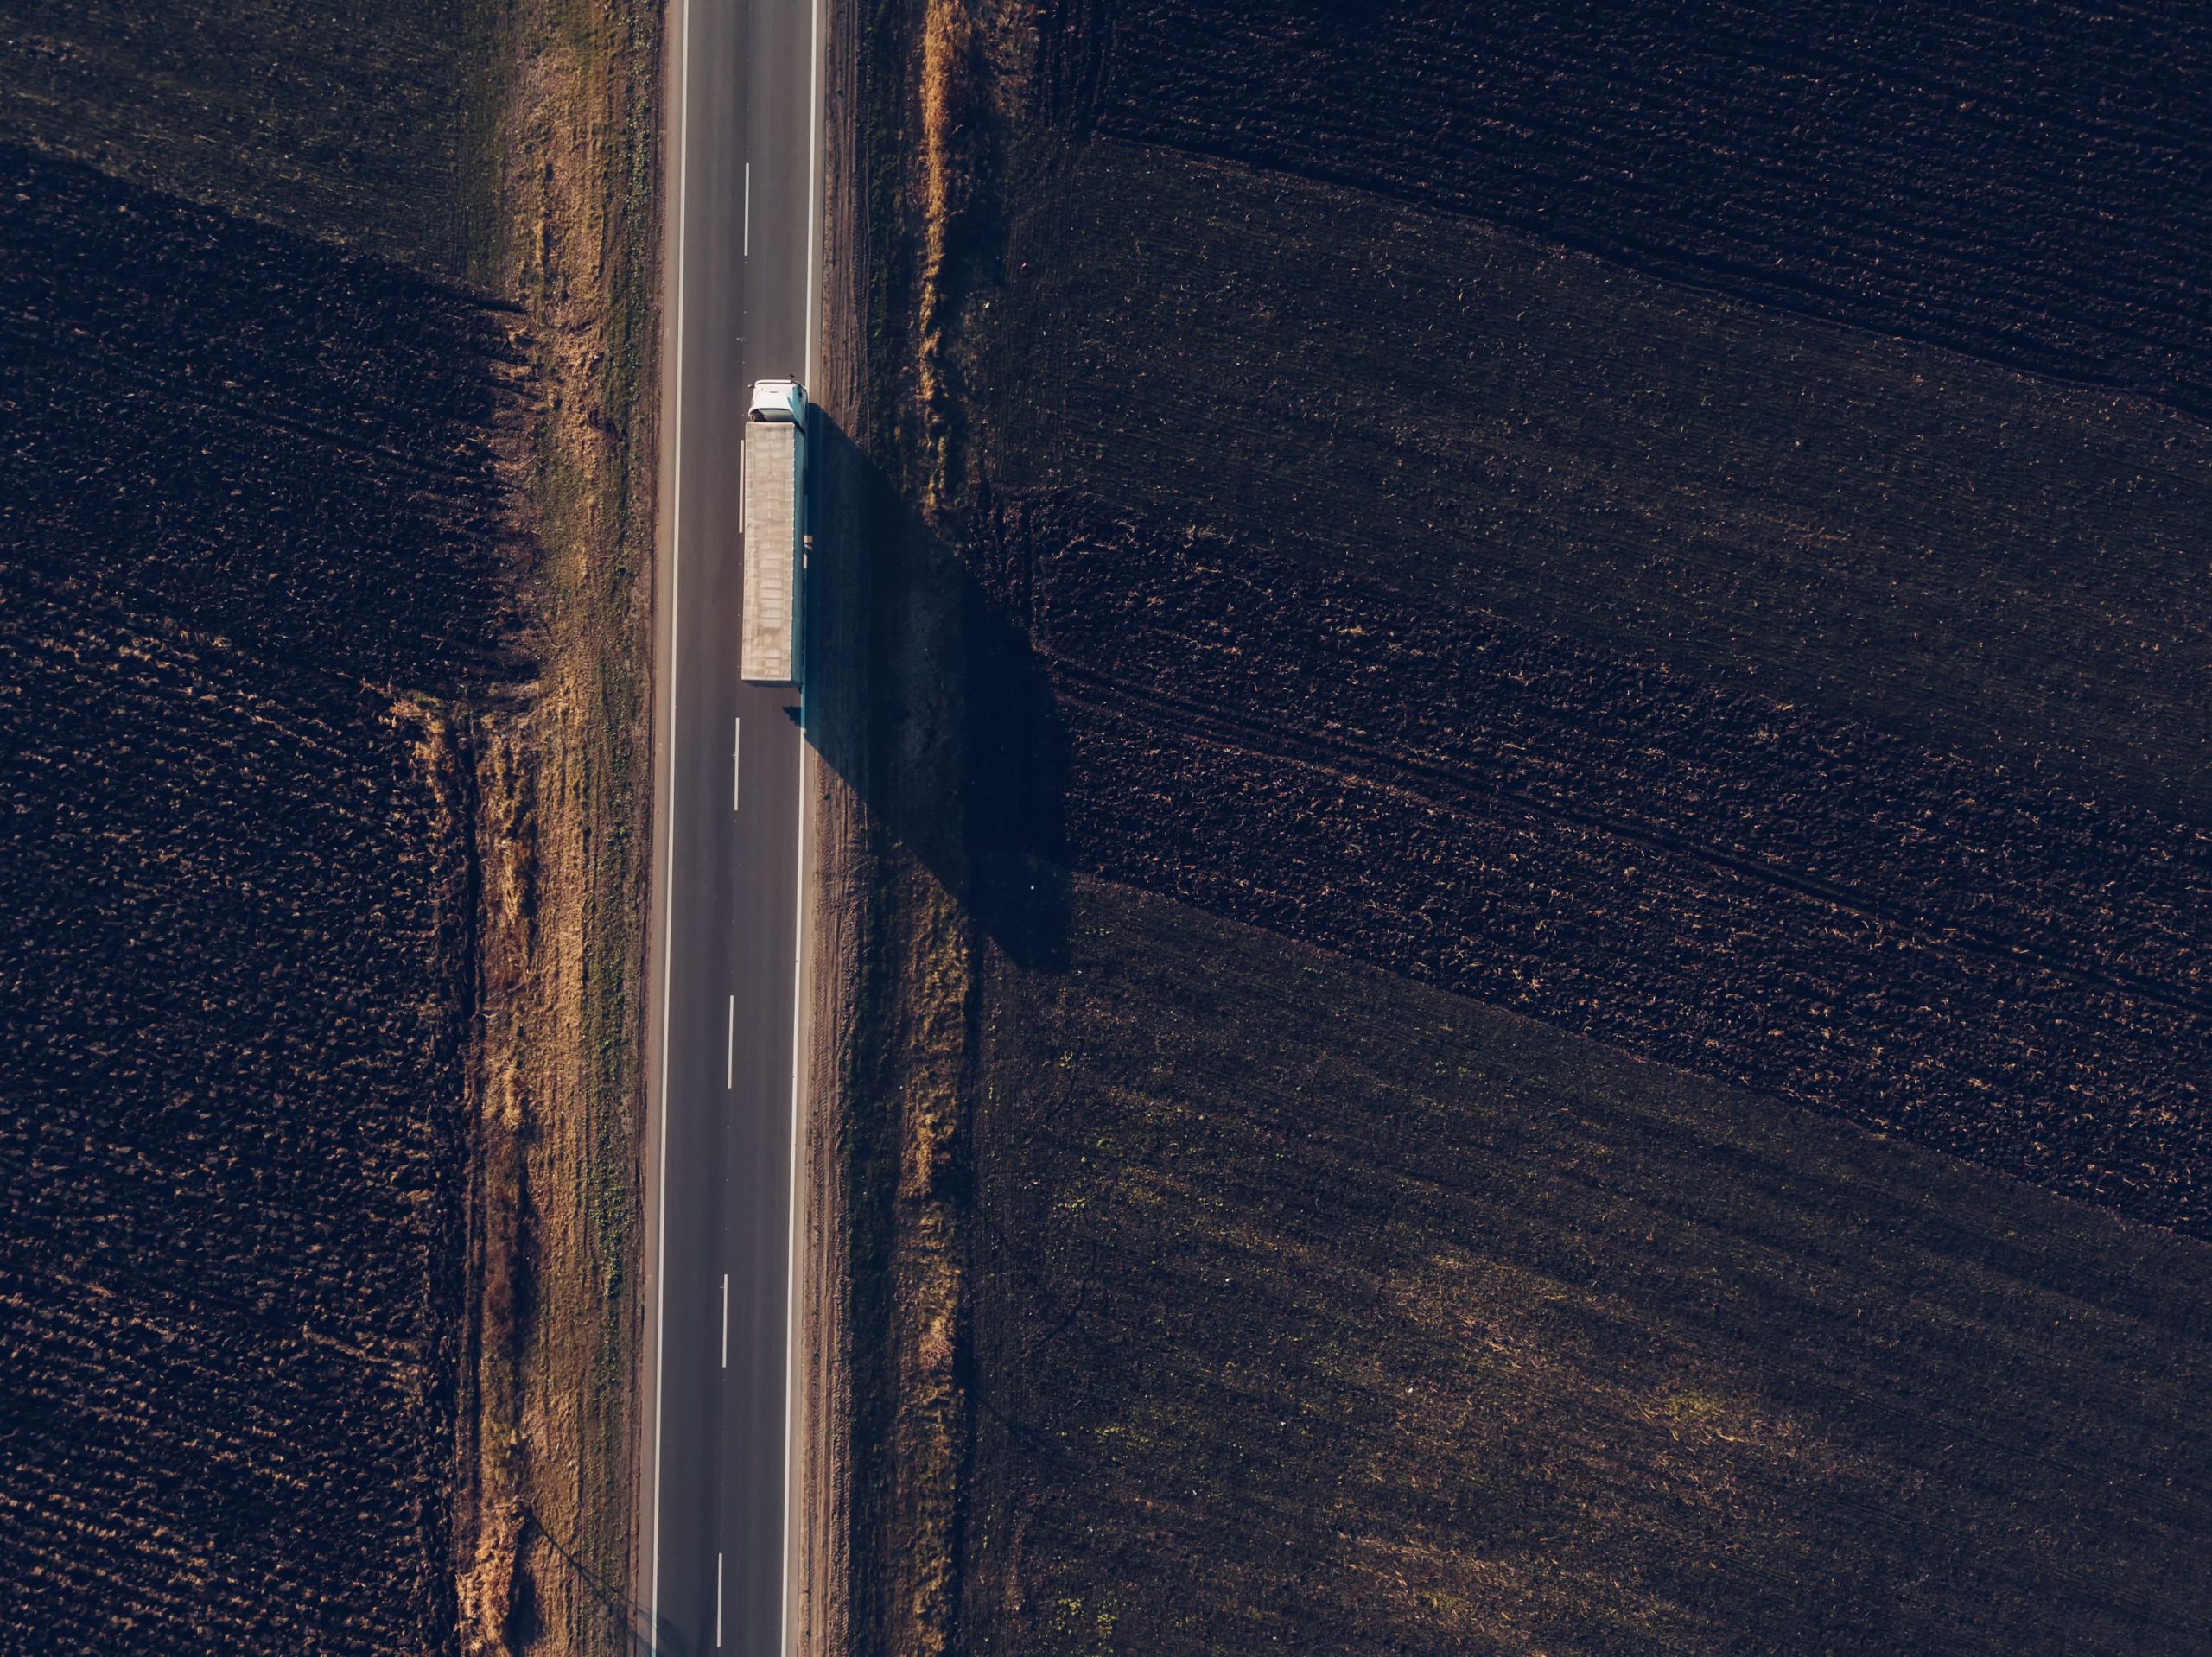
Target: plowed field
247,552
376,125
1325,1312
1587,837
2027,184
1813,710
1797,903
1982,560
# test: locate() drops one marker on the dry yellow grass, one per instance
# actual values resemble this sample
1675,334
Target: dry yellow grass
946,98
939,972
544,1531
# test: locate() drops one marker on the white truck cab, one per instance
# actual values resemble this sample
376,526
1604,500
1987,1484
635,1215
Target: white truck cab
779,400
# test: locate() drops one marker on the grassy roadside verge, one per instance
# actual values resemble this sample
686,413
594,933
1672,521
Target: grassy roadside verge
897,1060
544,1532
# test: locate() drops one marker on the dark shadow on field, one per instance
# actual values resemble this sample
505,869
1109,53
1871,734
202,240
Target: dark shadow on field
290,445
1793,903
893,608
926,699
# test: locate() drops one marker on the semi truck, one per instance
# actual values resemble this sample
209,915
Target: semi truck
772,518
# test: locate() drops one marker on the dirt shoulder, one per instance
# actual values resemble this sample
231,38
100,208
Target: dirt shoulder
543,1528
895,1064
835,841
837,1368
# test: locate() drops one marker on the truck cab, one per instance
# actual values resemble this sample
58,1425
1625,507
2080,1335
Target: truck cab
779,400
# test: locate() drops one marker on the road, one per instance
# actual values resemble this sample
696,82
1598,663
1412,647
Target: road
740,163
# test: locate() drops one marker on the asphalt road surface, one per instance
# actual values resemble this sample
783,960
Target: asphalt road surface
742,141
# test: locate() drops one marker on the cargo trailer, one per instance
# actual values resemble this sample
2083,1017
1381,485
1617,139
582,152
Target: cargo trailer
772,520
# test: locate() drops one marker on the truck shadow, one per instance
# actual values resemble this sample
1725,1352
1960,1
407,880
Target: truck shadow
958,757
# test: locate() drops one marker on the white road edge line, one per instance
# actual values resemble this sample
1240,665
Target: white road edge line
799,936
791,1201
668,897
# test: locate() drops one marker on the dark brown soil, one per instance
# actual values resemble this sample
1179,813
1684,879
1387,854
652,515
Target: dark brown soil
1321,1311
2028,184
1977,558
376,126
1797,903
246,553
1575,772
284,444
